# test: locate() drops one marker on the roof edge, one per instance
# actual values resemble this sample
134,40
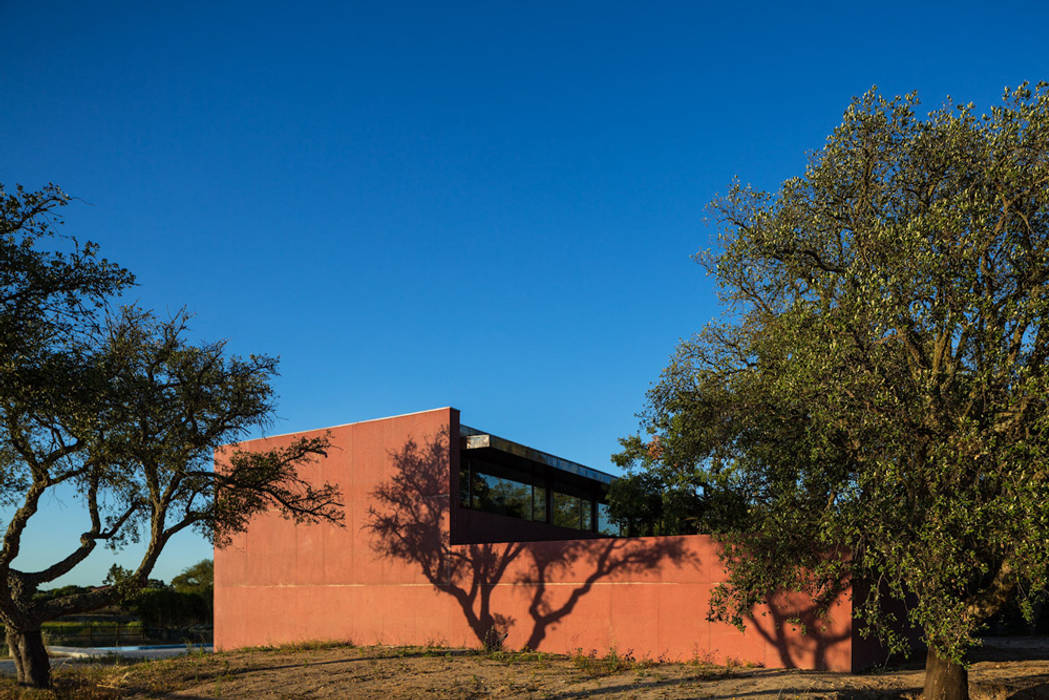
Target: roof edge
344,425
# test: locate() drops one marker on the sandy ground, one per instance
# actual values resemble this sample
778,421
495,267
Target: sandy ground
65,656
1016,668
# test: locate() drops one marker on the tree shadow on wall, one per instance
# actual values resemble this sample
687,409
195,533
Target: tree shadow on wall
410,521
785,618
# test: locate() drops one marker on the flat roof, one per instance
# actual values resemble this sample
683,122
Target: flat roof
475,439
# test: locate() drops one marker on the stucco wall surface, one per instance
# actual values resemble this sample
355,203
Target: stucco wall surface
391,574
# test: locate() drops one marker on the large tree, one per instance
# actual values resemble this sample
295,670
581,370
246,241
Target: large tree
124,411
877,390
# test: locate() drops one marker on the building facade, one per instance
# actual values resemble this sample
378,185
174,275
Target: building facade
456,537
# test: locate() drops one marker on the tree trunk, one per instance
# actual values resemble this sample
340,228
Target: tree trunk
944,678
32,665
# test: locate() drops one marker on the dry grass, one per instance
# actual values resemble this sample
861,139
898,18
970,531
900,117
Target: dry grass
466,673
326,670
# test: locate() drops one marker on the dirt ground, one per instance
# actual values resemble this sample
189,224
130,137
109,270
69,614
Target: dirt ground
1014,668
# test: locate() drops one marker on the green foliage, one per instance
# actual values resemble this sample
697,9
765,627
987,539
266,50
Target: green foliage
198,578
126,409
59,592
635,503
877,392
101,625
612,662
659,498
187,601
198,582
166,607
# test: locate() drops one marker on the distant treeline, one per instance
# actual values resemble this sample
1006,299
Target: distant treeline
160,611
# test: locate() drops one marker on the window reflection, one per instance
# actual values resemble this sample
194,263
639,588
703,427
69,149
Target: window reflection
518,493
604,521
539,504
464,486
566,510
502,496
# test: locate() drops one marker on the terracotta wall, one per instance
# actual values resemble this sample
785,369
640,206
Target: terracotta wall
392,575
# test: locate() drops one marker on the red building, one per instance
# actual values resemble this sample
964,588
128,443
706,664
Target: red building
460,538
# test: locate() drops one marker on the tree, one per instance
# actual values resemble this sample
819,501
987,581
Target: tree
124,409
651,499
198,578
163,606
877,391
188,600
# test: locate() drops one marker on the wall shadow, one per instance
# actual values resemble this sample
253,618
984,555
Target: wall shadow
410,521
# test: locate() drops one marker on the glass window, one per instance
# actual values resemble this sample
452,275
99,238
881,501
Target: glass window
514,491
539,503
566,510
464,485
502,496
604,522
586,514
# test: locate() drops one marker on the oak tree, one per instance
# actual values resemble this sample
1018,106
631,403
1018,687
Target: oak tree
125,411
876,392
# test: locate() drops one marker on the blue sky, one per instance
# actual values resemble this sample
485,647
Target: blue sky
491,205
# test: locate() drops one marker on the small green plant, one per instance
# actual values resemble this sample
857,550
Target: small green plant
512,657
612,662
434,648
194,649
735,664
307,645
493,639
702,659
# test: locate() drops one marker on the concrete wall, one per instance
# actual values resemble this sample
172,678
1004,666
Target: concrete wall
392,574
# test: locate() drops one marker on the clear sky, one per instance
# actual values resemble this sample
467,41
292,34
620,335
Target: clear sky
490,205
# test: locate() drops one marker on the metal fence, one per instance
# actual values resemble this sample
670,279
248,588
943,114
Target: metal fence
115,634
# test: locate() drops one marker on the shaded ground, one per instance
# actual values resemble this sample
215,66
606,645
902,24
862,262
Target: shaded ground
65,656
1016,668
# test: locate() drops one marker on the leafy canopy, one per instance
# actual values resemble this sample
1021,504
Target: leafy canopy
876,394
198,578
124,407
